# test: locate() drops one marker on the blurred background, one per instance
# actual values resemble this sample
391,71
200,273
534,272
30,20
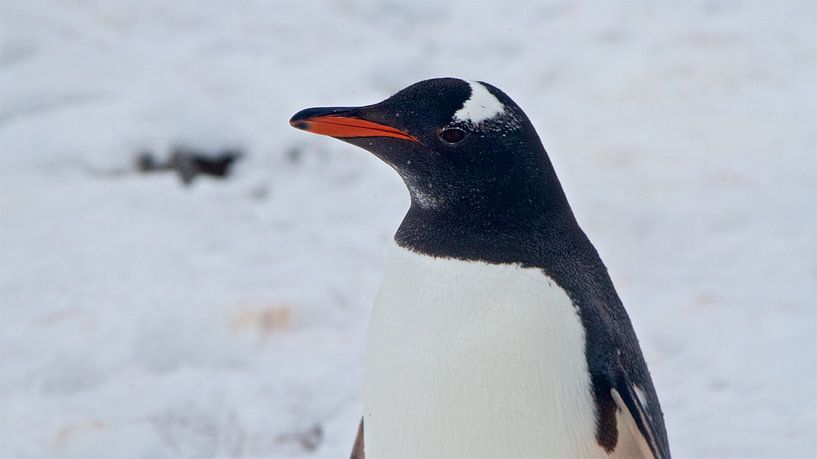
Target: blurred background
184,275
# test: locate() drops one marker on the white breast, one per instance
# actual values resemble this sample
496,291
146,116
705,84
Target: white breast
469,359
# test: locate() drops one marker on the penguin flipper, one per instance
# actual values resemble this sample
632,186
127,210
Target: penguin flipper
626,398
358,450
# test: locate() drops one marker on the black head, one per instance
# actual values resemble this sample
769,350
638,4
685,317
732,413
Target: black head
464,149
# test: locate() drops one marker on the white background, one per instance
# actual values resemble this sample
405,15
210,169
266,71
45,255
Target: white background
141,318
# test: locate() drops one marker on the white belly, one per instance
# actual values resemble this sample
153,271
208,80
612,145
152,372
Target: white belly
468,359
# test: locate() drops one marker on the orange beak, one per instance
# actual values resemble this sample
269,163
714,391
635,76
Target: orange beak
336,123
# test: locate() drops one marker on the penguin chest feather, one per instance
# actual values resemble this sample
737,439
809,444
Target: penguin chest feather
470,359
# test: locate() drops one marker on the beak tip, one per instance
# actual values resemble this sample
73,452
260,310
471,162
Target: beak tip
299,124
299,120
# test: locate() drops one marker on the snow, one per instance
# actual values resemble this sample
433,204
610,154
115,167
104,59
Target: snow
142,318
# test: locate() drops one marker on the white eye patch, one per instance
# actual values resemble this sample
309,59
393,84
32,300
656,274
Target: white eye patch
481,106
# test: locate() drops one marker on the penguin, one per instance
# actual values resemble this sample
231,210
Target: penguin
497,331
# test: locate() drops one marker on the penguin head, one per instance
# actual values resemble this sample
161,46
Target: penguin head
455,143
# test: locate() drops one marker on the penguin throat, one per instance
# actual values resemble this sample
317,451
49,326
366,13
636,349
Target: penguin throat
434,221
426,199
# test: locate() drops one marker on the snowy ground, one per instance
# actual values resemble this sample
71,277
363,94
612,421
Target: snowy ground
141,318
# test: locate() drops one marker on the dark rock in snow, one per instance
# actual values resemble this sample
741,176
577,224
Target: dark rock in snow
190,163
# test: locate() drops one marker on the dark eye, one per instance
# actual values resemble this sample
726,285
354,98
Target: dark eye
452,135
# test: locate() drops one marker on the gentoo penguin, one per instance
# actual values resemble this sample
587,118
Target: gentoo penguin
497,331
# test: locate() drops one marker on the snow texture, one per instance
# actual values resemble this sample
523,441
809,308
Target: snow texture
142,318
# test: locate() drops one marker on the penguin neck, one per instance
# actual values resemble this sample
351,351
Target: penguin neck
498,229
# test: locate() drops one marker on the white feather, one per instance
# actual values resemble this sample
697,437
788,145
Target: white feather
641,396
468,359
480,106
630,441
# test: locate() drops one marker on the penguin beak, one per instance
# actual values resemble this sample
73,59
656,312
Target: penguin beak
343,122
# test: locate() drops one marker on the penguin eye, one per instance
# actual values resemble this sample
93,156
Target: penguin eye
452,135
